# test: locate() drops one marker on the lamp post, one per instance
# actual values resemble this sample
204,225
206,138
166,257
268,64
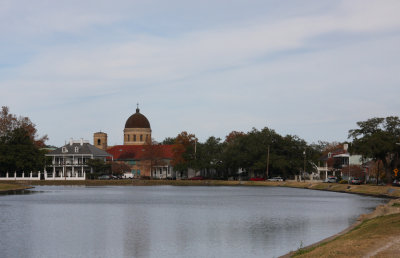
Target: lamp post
267,163
304,166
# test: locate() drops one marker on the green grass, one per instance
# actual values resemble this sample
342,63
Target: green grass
11,187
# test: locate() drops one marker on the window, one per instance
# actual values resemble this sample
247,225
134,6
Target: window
76,149
98,142
134,137
141,137
128,138
64,150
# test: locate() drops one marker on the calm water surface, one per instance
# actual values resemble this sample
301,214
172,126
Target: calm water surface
168,221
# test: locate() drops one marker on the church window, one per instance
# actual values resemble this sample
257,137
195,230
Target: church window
141,137
134,137
128,138
98,141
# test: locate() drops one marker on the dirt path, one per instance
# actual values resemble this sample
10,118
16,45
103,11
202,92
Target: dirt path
390,249
374,235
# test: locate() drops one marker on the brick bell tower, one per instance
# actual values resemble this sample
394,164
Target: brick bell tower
100,140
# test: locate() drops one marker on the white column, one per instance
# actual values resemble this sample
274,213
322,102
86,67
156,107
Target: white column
30,175
15,175
7,174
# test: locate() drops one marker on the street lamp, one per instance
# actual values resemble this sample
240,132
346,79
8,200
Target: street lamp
304,166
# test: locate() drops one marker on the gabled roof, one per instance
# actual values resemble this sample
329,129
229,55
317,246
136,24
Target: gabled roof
79,149
138,152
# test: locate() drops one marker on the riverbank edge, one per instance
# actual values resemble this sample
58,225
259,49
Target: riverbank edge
12,187
381,212
368,190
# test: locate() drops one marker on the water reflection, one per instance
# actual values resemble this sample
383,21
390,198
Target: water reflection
167,221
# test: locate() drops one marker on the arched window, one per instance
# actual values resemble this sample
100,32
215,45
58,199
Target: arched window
98,141
134,137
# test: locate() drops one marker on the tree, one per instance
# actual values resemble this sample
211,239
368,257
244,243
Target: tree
376,139
20,154
209,155
118,168
10,122
99,166
168,141
184,152
152,154
19,147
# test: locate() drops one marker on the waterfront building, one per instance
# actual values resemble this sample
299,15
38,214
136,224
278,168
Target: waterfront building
145,161
137,129
144,158
70,161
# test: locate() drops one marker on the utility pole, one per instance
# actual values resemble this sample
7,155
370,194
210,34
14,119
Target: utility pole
267,162
304,167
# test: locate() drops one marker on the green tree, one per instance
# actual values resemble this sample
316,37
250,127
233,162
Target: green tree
209,156
184,152
376,138
99,166
19,153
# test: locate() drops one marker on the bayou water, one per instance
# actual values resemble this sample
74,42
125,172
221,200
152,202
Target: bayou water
172,221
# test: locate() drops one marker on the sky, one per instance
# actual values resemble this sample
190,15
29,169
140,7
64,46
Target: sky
309,68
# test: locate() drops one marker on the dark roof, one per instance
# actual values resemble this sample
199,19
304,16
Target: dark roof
138,152
85,149
137,120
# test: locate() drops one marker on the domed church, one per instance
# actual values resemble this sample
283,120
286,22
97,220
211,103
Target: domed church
143,158
137,129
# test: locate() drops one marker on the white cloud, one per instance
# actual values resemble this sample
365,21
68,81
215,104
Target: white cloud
258,72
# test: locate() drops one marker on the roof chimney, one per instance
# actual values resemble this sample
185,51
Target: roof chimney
71,141
81,141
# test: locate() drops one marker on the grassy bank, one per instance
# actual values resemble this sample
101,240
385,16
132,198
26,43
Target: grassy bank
5,187
375,235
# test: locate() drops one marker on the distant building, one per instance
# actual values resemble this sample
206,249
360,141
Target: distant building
143,158
70,160
137,129
100,140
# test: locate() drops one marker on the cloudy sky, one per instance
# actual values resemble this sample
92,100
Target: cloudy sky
309,68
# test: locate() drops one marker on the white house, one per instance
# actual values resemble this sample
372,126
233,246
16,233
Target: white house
70,161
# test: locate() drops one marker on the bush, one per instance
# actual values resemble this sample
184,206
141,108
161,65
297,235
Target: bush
343,182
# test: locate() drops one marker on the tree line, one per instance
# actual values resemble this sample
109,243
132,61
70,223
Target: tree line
257,152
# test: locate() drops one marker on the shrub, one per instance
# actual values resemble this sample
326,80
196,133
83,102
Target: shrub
343,182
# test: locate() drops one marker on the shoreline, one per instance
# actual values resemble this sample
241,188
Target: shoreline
12,187
381,212
391,192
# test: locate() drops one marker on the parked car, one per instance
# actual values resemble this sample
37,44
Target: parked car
331,179
104,177
196,178
256,179
396,182
276,179
355,181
